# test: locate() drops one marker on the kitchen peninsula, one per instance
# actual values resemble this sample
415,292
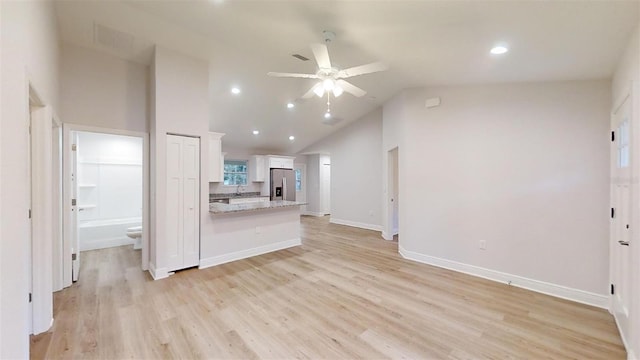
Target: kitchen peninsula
239,231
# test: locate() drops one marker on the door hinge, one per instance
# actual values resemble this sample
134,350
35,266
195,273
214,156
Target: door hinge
29,213
29,297
73,202
613,136
73,257
613,213
74,147
613,289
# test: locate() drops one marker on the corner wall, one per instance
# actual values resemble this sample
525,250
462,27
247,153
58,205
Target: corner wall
180,106
30,53
522,167
356,172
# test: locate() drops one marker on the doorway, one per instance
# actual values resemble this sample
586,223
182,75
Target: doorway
300,171
325,185
392,196
106,179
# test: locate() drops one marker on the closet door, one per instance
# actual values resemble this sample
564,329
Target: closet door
182,207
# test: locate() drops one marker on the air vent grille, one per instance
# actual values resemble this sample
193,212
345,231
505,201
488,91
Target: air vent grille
300,57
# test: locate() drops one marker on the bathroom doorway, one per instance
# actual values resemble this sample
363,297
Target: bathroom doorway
106,182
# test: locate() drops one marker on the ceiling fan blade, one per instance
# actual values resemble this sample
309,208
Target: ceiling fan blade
321,53
295,75
351,89
362,69
309,94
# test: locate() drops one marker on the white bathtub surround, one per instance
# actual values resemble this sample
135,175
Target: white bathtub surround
109,188
100,234
245,230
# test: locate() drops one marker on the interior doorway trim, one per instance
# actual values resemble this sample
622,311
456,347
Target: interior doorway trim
67,129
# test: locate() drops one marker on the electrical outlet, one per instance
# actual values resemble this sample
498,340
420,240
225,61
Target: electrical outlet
483,245
258,229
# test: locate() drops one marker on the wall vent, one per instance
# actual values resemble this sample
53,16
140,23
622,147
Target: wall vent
300,57
112,38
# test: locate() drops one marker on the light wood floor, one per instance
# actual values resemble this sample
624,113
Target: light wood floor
345,293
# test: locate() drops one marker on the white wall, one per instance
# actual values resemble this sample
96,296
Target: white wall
356,172
30,52
102,90
313,185
180,106
523,167
628,71
113,163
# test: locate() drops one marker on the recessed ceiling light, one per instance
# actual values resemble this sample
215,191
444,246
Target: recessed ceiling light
256,132
235,90
499,50
292,137
291,105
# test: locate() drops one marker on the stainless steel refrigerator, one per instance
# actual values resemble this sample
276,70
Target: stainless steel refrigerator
283,184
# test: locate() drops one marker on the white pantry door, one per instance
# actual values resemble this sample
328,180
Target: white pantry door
621,223
183,202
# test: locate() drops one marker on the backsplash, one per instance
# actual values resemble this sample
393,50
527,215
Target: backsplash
233,194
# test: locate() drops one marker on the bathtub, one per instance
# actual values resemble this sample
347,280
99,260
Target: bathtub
100,234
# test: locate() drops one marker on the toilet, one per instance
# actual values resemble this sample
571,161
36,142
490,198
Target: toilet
135,232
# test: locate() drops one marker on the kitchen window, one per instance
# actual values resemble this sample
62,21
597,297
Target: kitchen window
235,172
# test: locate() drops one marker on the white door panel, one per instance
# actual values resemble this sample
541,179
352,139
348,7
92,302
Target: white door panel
183,199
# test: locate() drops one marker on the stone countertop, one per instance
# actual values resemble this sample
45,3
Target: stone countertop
221,208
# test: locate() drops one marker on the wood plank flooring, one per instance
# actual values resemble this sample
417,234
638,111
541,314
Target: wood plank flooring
344,294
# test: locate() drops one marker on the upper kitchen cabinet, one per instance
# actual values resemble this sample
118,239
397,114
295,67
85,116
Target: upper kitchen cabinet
216,160
280,162
257,168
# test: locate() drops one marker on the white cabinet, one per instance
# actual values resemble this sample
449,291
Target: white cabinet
257,168
248,200
216,159
182,222
280,162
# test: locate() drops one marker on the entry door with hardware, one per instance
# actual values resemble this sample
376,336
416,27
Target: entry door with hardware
621,223
183,201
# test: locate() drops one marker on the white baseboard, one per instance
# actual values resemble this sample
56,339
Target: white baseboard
386,236
356,224
243,254
157,274
311,213
581,296
631,355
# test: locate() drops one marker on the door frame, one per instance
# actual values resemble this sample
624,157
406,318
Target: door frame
392,163
303,171
67,156
41,211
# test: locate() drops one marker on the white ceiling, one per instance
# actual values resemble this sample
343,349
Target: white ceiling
423,42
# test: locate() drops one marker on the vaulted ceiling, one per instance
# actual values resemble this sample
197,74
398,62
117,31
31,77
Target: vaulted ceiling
424,43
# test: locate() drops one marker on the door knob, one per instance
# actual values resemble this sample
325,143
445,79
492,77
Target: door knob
623,243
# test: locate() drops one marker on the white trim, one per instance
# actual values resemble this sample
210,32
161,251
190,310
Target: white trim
146,188
42,218
157,274
356,224
559,291
312,213
244,254
386,236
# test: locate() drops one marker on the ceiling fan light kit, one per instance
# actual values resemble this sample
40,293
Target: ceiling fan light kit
331,78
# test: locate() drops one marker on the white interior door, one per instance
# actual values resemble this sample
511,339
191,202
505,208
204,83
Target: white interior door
621,196
75,239
183,199
326,188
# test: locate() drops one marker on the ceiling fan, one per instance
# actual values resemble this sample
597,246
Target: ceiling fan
331,78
